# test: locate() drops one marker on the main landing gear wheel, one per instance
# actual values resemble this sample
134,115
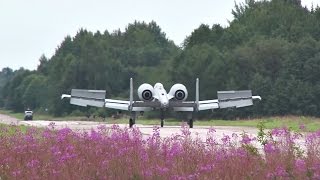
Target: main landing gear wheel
162,122
131,122
190,120
132,119
190,123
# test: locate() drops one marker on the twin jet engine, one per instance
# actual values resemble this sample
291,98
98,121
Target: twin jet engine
177,92
146,92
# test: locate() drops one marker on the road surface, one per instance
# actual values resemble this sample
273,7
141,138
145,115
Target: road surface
200,131
167,131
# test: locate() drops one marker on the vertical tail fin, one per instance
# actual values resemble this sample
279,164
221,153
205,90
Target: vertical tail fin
197,94
131,94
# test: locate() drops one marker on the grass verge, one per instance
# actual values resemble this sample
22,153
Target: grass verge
11,129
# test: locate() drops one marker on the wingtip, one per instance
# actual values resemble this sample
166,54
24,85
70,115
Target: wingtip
65,96
257,97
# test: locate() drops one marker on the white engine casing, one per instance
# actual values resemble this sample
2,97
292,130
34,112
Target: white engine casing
179,92
145,92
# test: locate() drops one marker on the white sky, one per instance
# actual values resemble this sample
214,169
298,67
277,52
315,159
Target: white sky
31,28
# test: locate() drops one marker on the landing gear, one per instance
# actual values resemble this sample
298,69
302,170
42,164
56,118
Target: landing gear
162,122
162,118
190,123
131,122
190,120
132,119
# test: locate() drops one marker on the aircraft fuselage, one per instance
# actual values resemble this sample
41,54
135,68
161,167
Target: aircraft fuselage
161,95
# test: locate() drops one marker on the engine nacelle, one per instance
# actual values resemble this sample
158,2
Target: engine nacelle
179,92
145,92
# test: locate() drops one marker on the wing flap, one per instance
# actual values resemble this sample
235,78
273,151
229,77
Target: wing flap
82,97
145,106
184,109
153,104
117,104
236,99
124,105
208,104
86,102
186,106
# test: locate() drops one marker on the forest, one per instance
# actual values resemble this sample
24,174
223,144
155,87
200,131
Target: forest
271,47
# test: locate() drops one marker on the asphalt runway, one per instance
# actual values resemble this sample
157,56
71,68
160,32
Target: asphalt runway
166,131
147,130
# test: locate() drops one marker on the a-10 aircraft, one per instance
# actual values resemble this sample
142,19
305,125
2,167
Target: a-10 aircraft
157,98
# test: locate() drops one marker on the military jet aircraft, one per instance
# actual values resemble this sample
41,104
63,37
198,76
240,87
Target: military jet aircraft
157,98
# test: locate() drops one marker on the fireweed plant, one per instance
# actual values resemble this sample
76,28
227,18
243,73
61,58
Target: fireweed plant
122,153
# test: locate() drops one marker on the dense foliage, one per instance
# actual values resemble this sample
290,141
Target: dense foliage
5,76
271,47
117,153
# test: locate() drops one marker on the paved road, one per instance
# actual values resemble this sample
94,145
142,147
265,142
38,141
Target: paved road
4,119
200,131
197,131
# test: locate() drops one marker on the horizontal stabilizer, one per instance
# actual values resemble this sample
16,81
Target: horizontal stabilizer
236,99
83,97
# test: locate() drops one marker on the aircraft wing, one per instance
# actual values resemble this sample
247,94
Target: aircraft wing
236,99
226,99
85,98
96,98
125,105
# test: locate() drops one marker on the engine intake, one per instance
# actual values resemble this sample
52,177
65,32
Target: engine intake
179,92
145,92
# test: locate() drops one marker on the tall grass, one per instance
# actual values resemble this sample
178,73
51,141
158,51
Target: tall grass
121,153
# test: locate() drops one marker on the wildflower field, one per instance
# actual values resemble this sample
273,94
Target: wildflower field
122,153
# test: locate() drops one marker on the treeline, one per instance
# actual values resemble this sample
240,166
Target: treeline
271,47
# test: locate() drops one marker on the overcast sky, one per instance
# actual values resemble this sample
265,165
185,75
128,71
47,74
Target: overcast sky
35,27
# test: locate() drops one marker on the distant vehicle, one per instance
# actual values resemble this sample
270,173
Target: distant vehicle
157,98
28,114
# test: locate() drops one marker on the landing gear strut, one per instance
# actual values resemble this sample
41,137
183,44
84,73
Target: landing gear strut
190,120
190,123
162,118
132,119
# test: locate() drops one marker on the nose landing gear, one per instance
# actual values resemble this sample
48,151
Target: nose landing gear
162,118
